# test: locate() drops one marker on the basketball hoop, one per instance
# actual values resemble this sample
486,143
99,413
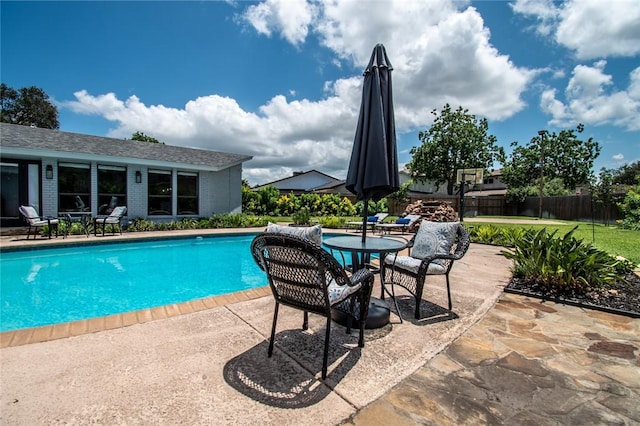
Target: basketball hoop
469,177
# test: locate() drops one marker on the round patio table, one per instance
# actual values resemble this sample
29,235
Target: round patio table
379,310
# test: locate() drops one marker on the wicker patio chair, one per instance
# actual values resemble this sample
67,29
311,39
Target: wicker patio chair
433,250
304,276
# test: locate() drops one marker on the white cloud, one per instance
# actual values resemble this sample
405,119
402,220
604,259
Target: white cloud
590,99
545,12
440,50
591,28
618,157
291,18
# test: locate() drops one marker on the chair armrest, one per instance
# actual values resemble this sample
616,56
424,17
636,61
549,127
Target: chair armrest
360,276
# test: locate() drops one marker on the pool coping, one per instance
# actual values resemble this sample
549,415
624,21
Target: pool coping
26,336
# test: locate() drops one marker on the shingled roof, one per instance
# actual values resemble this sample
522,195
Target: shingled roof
32,141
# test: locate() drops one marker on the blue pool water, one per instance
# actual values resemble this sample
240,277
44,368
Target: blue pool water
50,286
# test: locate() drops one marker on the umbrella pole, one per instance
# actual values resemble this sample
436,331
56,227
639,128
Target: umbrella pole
365,215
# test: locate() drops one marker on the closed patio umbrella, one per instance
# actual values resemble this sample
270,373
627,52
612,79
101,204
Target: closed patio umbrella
373,168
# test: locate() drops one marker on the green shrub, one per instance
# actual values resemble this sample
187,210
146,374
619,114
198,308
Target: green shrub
487,234
511,236
332,222
563,266
140,225
301,217
631,209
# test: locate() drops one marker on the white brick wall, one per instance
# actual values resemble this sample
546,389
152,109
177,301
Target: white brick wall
219,192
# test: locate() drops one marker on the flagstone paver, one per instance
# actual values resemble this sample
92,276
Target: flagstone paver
525,362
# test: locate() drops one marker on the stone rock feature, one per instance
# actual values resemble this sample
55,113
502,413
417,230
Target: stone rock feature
434,211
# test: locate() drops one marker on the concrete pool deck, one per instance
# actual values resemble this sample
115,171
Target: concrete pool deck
503,359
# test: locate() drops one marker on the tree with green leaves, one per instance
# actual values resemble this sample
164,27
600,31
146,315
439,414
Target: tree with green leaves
627,174
456,140
559,155
139,136
29,106
602,192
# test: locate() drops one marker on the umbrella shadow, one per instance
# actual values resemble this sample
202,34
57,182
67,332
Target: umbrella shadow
430,313
290,378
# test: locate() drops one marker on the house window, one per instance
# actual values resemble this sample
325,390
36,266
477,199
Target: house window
159,192
9,176
187,193
74,181
112,188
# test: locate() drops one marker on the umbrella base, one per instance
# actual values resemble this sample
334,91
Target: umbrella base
378,316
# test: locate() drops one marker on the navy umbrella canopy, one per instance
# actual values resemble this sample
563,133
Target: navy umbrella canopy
373,168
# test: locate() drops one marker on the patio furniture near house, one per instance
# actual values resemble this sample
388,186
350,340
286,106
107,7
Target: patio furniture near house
80,205
83,218
434,248
114,219
106,209
304,276
402,224
371,222
35,221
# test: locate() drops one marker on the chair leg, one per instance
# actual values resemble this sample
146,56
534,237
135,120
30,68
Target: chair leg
449,292
325,358
417,313
362,320
352,307
305,321
273,329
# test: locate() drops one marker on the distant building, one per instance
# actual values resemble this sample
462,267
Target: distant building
417,188
307,182
60,172
492,185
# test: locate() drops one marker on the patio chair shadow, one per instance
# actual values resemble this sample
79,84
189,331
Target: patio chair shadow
290,378
430,313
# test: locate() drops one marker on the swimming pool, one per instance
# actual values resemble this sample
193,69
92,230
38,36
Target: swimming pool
55,285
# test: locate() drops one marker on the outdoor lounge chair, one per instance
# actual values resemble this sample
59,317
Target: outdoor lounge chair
433,249
115,218
33,219
304,276
106,209
401,224
80,206
371,221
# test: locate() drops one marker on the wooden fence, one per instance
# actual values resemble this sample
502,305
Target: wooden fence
572,207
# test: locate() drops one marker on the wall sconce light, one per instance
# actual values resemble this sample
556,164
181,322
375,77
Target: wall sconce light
138,177
49,171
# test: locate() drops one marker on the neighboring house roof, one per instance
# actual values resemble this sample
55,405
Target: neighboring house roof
331,185
19,140
303,182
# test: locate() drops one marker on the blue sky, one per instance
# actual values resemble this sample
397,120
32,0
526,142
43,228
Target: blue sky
281,79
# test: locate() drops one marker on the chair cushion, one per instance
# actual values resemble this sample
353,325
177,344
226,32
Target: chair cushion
311,233
412,264
43,222
434,239
403,221
118,211
338,293
372,219
29,212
